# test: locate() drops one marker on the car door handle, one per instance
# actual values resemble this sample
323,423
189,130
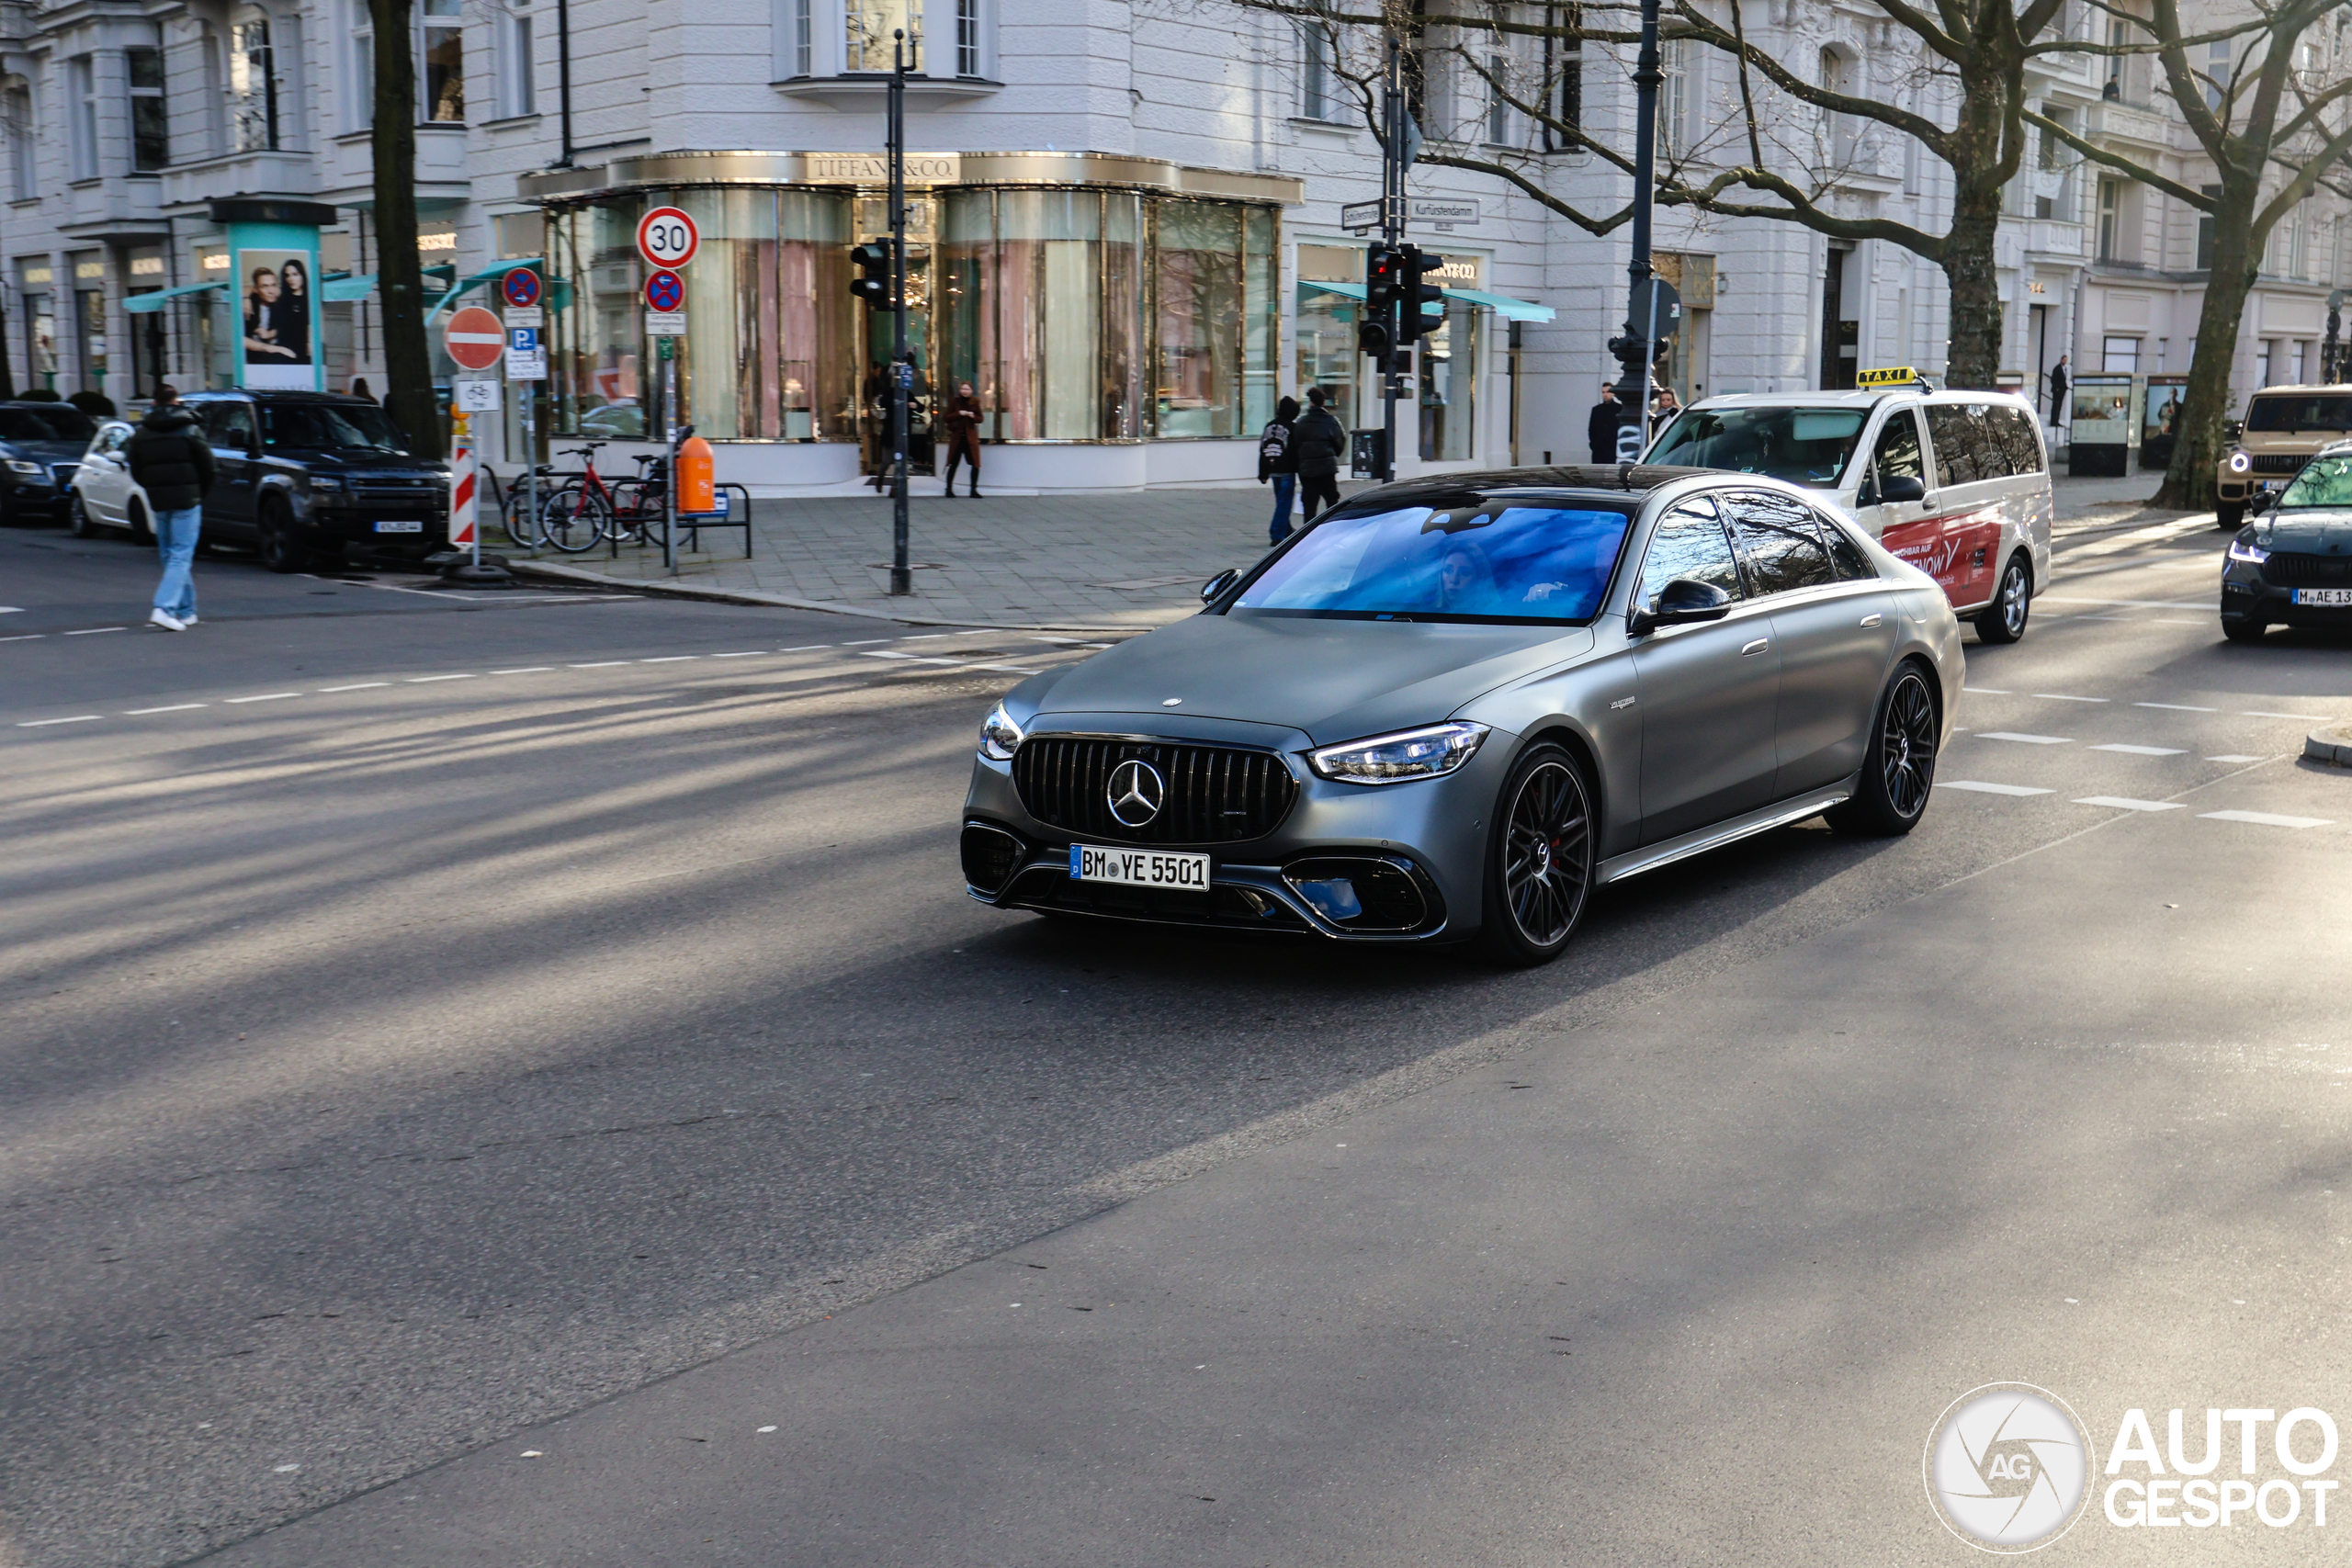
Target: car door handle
1759,646
1871,619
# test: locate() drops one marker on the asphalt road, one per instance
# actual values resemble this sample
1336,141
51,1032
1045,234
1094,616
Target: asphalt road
514,1079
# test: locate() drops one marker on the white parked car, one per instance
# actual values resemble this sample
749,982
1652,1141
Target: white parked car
1956,483
104,495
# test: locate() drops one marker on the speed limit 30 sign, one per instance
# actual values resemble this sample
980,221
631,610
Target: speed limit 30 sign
667,238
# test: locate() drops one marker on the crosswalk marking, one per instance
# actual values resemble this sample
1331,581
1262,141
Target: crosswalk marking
2142,750
2266,819
2027,739
1980,787
2125,803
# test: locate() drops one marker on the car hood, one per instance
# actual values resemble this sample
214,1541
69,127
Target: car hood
2315,533
1334,679
45,451
338,459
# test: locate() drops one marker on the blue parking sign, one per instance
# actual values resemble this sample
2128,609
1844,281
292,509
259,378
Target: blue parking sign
522,340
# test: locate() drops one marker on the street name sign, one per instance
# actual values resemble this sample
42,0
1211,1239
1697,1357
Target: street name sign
665,323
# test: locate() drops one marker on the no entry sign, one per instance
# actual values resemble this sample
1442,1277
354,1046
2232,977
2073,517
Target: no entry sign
667,238
475,338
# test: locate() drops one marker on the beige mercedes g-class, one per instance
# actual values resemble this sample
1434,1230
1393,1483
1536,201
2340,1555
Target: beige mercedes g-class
2284,428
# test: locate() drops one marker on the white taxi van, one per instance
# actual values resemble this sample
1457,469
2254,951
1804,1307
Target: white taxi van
1956,483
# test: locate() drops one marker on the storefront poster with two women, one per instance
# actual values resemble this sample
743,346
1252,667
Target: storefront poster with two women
276,296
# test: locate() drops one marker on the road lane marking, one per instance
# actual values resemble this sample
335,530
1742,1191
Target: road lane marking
359,686
37,723
1986,691
2142,750
2125,803
176,707
804,647
670,659
2265,819
2305,717
2128,603
421,680
93,631
11,609
266,697
883,653
755,653
601,664
2061,697
867,641
1983,788
25,637
2176,707
526,670
2027,739
2233,757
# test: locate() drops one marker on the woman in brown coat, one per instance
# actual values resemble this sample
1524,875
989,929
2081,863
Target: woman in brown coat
962,422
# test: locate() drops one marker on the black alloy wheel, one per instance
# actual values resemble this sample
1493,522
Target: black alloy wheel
280,551
2004,619
1899,768
78,521
2230,515
2244,629
1539,870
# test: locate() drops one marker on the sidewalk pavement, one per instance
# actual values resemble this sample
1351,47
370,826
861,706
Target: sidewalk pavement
1116,562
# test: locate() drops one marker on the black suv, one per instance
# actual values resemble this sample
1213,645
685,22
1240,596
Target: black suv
305,475
40,446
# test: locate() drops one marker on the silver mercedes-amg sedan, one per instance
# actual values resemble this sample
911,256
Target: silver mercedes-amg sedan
1451,707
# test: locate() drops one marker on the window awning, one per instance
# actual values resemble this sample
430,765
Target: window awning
140,304
1502,305
348,287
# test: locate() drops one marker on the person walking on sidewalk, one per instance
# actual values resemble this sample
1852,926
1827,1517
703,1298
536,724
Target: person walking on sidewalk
1277,462
962,422
1319,444
171,460
1600,426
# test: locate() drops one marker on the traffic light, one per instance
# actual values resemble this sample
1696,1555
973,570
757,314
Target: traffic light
1376,335
873,259
1413,295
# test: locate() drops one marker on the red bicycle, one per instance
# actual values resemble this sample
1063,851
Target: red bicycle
584,509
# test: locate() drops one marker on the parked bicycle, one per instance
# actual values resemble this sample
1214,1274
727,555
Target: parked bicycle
582,510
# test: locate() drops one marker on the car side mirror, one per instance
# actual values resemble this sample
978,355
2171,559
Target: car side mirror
1213,589
1902,487
2261,501
1680,602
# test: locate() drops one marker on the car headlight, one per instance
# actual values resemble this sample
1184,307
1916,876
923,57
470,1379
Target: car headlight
325,481
1393,759
2248,552
18,466
2240,462
998,735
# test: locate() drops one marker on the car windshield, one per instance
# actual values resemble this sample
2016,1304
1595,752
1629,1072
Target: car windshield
330,426
1485,560
1805,447
2325,482
63,422
2303,410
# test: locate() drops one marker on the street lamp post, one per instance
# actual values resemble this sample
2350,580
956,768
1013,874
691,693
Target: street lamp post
1638,344
1392,229
901,373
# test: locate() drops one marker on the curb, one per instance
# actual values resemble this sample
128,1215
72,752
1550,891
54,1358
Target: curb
785,602
2332,745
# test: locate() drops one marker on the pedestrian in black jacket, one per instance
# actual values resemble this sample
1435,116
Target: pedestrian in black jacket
1600,428
1320,442
1277,461
171,461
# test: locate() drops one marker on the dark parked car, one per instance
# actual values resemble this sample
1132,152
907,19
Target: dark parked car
40,446
305,475
2294,566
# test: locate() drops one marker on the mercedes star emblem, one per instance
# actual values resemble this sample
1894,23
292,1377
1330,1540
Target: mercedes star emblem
1136,793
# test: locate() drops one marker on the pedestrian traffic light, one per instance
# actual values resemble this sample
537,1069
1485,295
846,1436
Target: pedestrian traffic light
1414,296
873,259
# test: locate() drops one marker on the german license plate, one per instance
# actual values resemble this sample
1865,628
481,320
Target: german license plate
2324,595
1139,868
400,527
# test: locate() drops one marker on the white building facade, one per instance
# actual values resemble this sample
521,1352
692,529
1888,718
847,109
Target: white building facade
1124,224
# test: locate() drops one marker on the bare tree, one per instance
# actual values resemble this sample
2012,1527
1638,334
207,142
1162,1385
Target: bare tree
399,274
2272,131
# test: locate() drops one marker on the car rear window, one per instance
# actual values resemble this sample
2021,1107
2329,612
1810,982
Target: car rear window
2293,413
1486,561
63,422
1803,445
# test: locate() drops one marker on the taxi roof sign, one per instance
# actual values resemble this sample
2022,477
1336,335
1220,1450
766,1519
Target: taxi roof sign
1892,376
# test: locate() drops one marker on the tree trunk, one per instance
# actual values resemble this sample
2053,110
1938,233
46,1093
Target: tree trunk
400,276
2197,447
1975,352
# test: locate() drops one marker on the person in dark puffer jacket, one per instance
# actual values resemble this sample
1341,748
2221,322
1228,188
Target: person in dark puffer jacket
171,460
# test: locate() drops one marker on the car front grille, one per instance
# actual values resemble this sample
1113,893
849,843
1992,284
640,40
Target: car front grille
1215,794
2290,570
64,474
2280,462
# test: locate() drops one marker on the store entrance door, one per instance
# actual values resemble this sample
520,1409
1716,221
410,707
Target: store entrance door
873,398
